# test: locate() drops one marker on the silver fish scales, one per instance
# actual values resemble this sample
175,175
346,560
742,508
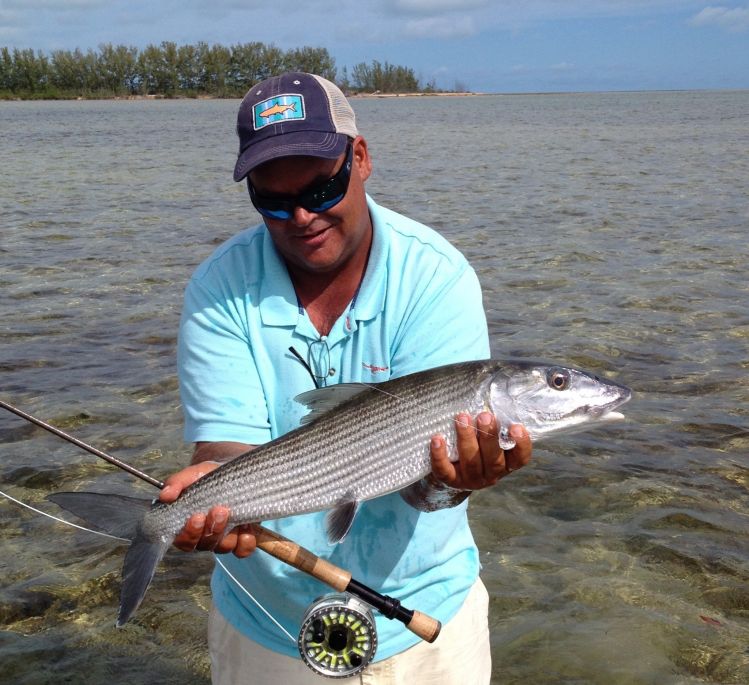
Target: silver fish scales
358,442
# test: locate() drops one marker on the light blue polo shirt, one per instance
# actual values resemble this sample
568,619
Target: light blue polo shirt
419,306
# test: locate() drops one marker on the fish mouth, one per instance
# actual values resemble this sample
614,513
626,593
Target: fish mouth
612,416
606,412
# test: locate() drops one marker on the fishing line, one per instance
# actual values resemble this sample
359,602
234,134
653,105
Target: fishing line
374,386
257,603
114,537
56,518
283,549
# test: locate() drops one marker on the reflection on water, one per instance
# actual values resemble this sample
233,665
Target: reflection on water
608,231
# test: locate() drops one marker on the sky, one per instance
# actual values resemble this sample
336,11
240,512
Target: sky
481,45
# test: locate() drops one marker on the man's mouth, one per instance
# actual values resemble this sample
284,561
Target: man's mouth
313,236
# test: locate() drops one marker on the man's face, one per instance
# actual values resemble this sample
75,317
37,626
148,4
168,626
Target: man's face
318,242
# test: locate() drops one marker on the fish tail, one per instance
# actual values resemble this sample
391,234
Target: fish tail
141,561
121,516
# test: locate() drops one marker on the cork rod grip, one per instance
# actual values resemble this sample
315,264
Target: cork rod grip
300,558
426,627
283,549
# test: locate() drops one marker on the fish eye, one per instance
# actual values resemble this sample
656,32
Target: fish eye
558,379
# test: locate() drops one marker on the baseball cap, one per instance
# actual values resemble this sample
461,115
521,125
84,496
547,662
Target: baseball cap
292,114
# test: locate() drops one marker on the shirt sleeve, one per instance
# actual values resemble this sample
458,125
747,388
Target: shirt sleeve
222,396
444,324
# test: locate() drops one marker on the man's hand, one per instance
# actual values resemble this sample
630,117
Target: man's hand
481,461
207,532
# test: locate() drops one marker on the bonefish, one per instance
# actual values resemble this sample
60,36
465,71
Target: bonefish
358,442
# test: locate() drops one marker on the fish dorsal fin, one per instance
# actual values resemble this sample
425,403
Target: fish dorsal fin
339,520
322,400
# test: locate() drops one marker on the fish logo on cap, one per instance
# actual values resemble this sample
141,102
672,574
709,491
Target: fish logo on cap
276,109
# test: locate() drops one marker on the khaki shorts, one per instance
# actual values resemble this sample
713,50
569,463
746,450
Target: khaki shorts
459,656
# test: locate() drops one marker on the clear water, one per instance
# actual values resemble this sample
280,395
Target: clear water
610,231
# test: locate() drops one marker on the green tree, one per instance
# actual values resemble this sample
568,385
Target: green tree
189,69
158,69
30,72
384,78
273,62
217,67
118,68
7,81
65,72
312,60
168,69
245,64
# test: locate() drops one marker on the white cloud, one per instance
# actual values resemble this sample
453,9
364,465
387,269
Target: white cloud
440,27
729,18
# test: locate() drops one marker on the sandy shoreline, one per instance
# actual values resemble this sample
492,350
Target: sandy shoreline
413,95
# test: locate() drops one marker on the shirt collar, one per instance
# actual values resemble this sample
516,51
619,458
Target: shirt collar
371,299
278,301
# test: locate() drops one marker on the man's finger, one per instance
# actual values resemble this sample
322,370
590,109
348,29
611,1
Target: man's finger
519,455
188,538
442,467
471,468
213,531
177,482
246,542
492,456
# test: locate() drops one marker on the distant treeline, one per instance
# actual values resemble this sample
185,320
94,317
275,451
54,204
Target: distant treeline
170,70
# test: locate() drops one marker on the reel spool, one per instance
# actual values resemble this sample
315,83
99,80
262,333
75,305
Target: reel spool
338,637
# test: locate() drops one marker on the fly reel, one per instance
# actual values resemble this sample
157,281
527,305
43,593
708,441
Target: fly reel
338,637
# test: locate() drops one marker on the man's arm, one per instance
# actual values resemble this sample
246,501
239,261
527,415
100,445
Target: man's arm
206,532
220,452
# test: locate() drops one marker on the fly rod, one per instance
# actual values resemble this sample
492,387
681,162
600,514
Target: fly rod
283,549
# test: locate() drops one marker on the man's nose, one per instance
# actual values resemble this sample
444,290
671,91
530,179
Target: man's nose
302,216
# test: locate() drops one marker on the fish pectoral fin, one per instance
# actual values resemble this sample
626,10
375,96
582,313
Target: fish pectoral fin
339,520
323,400
430,494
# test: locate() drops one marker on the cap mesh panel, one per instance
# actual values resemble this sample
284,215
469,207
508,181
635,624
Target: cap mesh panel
343,116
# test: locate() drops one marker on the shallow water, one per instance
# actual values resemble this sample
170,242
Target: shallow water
609,231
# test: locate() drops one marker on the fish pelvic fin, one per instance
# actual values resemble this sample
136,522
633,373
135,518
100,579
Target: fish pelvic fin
141,560
430,494
121,516
339,520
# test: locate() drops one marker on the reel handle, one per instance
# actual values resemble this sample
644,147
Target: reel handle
426,627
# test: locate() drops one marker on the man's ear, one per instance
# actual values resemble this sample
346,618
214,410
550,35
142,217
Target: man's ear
362,160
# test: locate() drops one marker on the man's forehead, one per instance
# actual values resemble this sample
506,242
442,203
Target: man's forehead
293,169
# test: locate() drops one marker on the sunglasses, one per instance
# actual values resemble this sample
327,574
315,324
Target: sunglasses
318,199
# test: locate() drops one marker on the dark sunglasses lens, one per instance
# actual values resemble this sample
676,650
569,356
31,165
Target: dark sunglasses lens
270,207
283,214
328,195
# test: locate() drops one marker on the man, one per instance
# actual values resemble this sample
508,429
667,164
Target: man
331,288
